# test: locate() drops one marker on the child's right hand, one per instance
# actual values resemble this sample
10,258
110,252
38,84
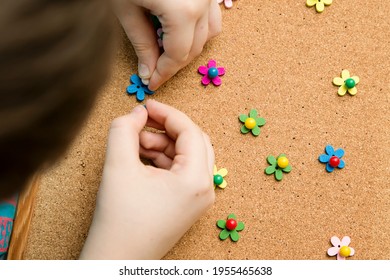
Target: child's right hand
142,211
187,26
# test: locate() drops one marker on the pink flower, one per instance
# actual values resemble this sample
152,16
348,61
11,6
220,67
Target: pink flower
211,73
341,248
228,3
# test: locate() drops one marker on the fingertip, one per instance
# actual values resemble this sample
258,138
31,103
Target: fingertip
143,69
158,108
152,106
145,81
138,109
149,102
155,81
136,118
123,139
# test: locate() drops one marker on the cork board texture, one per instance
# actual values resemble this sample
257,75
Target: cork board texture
280,58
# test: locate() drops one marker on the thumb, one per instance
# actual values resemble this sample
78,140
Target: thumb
123,139
143,37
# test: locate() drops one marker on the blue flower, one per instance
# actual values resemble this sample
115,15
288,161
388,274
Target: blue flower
138,87
332,158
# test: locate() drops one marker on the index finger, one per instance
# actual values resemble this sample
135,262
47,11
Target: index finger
190,148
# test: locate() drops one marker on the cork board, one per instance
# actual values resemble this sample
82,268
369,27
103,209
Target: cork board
280,58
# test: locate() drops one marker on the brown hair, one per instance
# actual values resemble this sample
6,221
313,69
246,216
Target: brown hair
54,57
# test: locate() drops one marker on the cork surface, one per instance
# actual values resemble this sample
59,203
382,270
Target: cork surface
280,58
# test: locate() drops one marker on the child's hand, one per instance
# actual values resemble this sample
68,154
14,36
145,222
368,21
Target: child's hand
187,26
142,211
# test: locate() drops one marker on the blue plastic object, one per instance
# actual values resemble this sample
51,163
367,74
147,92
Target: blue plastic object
138,88
331,152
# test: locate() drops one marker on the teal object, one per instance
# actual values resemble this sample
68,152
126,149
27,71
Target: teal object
350,83
138,88
218,179
212,72
7,216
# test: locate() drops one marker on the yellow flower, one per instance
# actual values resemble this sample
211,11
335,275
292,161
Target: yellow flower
219,181
320,4
346,83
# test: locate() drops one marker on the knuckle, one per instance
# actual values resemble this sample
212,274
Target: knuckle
181,60
191,9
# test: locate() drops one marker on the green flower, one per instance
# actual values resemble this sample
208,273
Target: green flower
230,227
278,166
251,123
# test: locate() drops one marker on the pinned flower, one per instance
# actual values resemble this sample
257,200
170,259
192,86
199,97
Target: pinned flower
230,227
320,4
138,87
341,248
211,73
160,35
332,158
346,83
251,123
278,166
228,3
219,175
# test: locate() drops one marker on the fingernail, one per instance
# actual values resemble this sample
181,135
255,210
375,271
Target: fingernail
145,81
138,109
143,71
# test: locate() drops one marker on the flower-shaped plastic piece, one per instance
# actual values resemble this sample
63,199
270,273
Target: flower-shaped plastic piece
278,166
228,3
251,123
341,248
160,35
158,27
138,88
211,73
219,175
332,158
320,4
346,83
230,227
